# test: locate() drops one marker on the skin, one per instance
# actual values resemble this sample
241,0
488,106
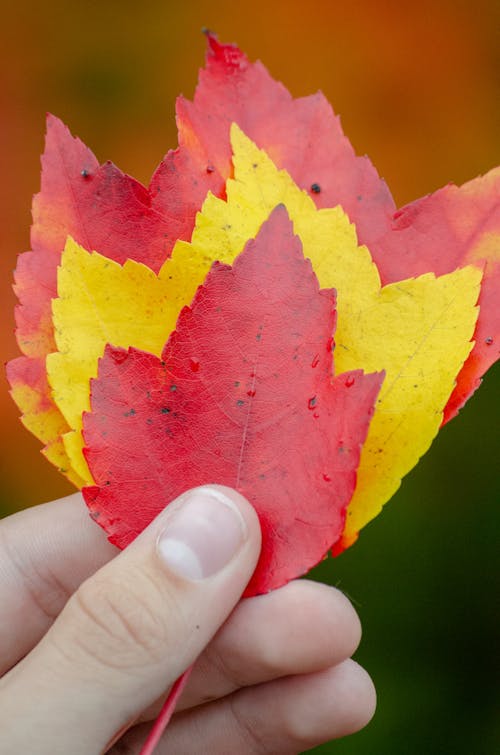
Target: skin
92,638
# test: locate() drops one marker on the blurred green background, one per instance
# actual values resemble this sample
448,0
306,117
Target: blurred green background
418,89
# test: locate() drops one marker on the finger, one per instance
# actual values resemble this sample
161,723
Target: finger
282,717
300,628
46,552
134,627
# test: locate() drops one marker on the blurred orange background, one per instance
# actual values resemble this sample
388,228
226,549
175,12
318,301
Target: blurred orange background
418,89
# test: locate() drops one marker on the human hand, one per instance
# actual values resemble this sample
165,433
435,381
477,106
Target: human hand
94,637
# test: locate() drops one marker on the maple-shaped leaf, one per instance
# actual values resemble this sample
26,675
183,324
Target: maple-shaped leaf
114,215
102,209
453,227
450,229
100,301
302,135
417,330
243,395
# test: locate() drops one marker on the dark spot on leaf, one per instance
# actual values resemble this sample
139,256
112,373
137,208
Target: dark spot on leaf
240,402
149,421
85,173
315,188
236,383
312,402
166,410
359,197
258,336
488,341
130,413
173,388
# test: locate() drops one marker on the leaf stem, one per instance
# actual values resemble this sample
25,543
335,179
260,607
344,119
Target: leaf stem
165,714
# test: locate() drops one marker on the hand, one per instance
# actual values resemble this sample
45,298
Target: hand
94,637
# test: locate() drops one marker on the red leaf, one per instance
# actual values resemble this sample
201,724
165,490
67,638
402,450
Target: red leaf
242,397
452,228
436,234
303,136
102,209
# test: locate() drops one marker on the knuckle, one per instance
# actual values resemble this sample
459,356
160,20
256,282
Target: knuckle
121,622
226,665
251,741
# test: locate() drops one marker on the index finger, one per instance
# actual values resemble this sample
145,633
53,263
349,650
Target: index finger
46,552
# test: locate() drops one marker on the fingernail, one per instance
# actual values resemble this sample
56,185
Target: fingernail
203,534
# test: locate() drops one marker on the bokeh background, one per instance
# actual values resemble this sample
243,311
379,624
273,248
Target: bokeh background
418,89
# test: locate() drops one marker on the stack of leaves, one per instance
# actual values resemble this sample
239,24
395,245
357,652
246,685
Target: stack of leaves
261,316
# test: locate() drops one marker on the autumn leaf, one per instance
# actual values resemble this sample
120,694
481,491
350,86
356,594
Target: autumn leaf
453,228
100,302
303,136
131,230
101,208
418,331
242,395
443,231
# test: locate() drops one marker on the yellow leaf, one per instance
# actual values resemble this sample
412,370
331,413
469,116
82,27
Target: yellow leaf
417,330
223,228
99,302
43,420
55,452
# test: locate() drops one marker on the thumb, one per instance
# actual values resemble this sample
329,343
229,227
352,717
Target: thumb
135,626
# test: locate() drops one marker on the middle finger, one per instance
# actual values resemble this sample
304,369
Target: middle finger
300,628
